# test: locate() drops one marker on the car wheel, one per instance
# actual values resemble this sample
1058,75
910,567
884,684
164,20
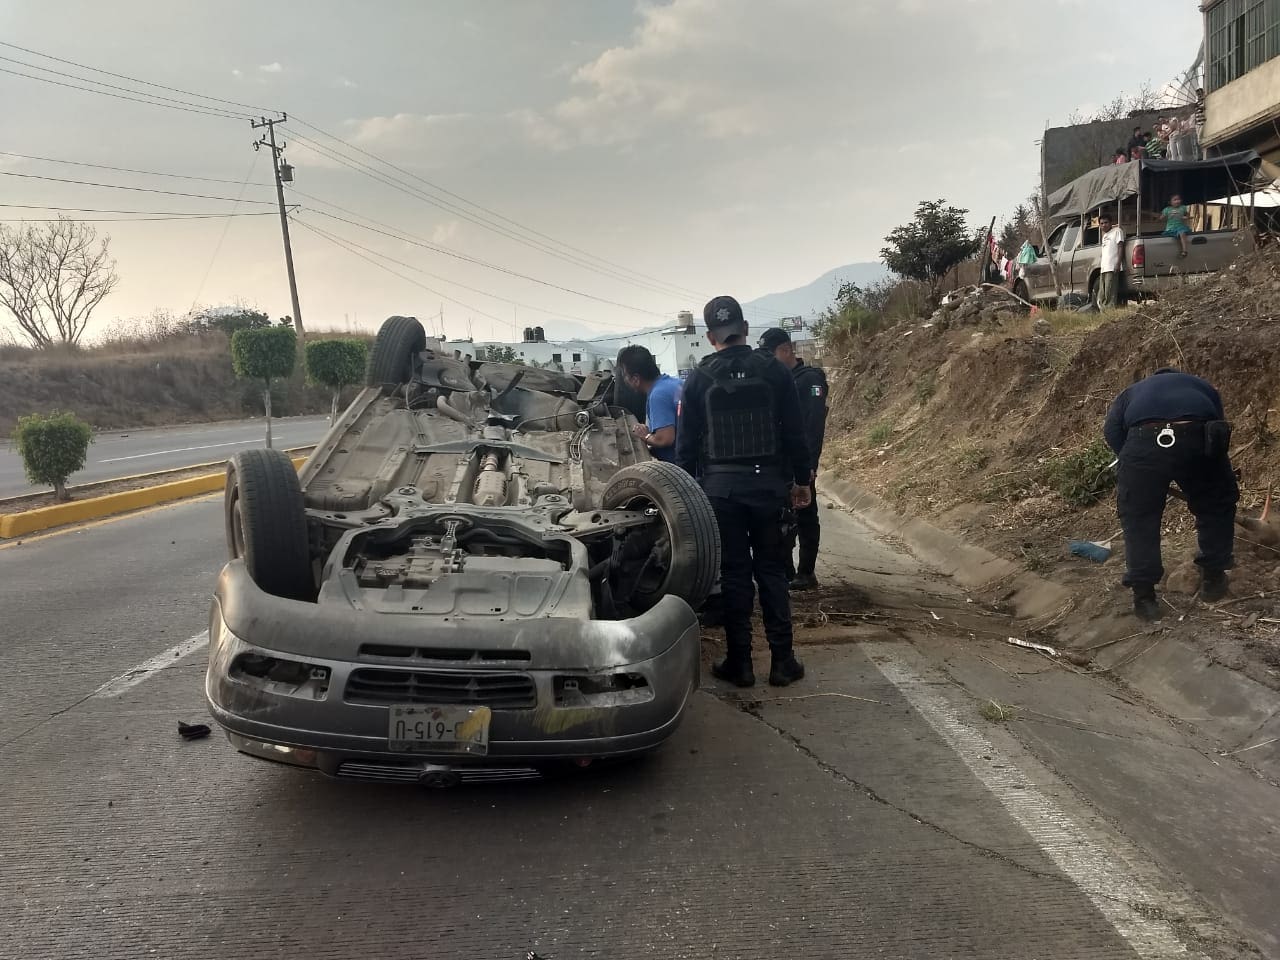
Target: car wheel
266,523
391,359
685,559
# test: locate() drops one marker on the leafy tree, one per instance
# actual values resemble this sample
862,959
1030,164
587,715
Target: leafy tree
243,318
500,353
938,239
52,278
52,447
264,353
336,364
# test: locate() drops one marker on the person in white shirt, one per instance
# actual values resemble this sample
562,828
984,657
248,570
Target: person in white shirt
1112,239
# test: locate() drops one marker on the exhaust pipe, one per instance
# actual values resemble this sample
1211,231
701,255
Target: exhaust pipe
439,778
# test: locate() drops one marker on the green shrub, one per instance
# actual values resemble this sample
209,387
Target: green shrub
336,364
926,387
1083,477
52,447
880,434
264,353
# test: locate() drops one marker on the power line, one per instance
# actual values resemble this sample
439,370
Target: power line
334,240
161,100
145,219
147,83
120,186
347,242
155,213
455,210
120,96
103,166
683,291
226,226
427,245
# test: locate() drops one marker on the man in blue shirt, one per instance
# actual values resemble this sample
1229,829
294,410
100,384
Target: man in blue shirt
1170,428
662,400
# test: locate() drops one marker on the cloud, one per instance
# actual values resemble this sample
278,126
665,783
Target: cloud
274,67
346,83
446,233
237,73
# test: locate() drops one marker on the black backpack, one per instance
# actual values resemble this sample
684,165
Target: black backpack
741,410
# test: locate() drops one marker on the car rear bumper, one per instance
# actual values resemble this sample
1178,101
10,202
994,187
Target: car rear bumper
322,724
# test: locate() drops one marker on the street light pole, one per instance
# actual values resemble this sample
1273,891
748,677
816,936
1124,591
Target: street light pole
276,151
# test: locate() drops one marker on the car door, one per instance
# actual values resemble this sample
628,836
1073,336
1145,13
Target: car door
1038,275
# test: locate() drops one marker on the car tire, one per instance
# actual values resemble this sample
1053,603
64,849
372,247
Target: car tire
266,523
692,530
391,359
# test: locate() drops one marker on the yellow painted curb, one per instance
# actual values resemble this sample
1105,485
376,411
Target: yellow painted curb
43,518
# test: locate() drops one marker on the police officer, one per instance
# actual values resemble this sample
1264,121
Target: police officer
1170,428
741,432
811,385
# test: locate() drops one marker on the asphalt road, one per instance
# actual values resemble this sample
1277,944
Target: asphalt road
127,452
868,811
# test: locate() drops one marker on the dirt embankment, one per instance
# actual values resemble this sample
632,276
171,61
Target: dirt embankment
988,422
185,379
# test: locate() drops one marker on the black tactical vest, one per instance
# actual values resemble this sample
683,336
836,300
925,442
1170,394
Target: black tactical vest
741,411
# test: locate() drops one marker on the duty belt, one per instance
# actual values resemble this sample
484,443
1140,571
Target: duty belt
759,469
1166,432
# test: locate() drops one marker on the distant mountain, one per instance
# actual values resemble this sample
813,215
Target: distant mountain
810,300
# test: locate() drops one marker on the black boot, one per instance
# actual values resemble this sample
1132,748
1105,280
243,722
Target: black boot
1145,604
735,670
785,671
804,581
1213,585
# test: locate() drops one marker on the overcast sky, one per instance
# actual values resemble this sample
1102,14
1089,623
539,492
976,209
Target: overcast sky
740,146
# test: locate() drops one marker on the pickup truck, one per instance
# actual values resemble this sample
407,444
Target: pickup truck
1069,264
1151,262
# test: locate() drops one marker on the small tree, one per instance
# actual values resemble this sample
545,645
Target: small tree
52,447
938,239
336,364
52,277
264,353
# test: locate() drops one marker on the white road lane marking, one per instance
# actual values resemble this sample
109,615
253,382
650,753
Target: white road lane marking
205,446
131,678
1119,893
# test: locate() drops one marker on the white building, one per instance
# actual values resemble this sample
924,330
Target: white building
677,349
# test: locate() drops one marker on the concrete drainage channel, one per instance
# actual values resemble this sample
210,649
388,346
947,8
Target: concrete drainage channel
157,488
1173,676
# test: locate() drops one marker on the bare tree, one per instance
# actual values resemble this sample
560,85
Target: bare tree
52,277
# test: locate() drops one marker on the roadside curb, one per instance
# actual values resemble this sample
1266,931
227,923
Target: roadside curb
158,475
1033,598
1173,674
95,508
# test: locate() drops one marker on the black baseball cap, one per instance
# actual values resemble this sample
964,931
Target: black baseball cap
773,338
721,311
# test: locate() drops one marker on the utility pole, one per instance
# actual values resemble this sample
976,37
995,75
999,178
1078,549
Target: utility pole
279,167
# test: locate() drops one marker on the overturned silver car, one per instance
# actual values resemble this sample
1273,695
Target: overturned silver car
480,572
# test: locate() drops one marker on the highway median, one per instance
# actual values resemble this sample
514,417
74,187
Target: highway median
146,490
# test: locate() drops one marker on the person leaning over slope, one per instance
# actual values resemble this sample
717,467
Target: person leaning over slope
662,400
741,432
811,385
1109,281
1170,428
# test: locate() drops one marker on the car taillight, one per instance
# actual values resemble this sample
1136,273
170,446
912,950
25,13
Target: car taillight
1139,256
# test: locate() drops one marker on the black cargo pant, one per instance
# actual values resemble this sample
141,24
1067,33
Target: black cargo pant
751,545
808,531
1145,472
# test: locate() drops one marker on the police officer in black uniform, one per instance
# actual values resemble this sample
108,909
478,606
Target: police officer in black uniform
811,385
741,432
1170,428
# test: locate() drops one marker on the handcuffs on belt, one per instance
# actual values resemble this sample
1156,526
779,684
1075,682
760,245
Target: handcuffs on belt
1166,438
